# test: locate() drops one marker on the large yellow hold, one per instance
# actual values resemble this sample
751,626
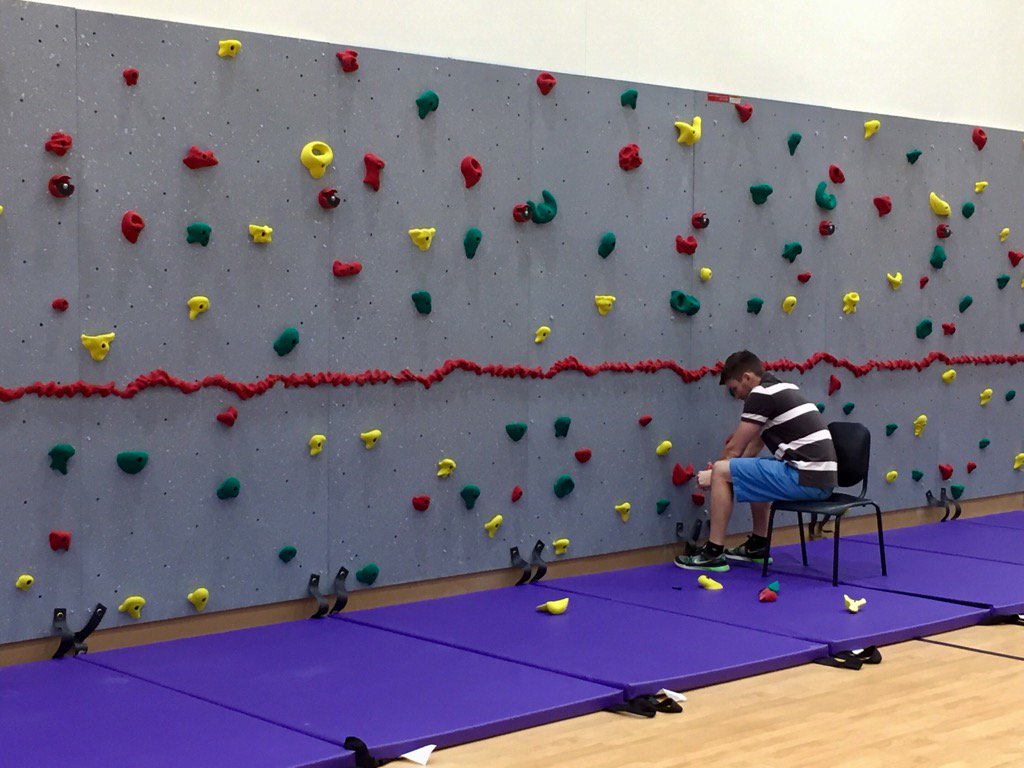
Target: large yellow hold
445,467
199,598
370,438
850,302
985,396
623,510
228,48
315,157
261,233
604,304
133,606
689,133
919,424
560,546
663,447
196,306
541,335
871,128
895,281
789,304
939,206
493,525
423,237
554,607
98,346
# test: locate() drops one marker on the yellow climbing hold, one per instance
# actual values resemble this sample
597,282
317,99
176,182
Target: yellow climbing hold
132,606
986,395
604,304
705,274
196,306
663,447
316,156
949,376
1,210
623,510
1003,234
871,128
789,304
199,598
919,424
979,186
261,233
370,438
445,467
228,48
850,302
493,526
541,335
895,281
98,346
689,133
939,206
316,444
423,237
554,607
24,581
854,605
560,546
708,583
1018,461
891,475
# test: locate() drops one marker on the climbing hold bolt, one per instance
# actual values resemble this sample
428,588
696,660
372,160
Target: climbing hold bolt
348,59
871,128
562,426
760,192
684,303
919,424
545,82
789,304
793,142
199,598
196,306
229,488
663,447
374,165
604,304
261,233
59,456
689,133
850,301
98,346
426,103
133,606
708,583
825,200
628,98
197,158
198,232
316,444
228,48
560,546
606,245
541,334
939,206
60,185
563,486
421,300
422,237
59,143
895,281
24,581
623,510
629,157
493,525
286,342
132,462
791,250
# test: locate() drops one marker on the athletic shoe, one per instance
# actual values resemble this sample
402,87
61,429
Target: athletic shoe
752,554
702,561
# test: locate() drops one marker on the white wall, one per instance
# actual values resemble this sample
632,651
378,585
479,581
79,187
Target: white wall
953,60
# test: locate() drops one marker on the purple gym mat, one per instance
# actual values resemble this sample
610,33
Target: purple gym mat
638,650
333,679
806,608
1013,519
67,712
999,586
955,537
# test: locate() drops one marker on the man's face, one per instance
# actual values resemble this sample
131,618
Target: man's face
740,388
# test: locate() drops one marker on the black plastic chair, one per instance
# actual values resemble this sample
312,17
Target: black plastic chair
853,451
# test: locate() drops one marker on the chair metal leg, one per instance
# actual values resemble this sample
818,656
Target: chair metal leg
835,552
768,546
803,541
881,538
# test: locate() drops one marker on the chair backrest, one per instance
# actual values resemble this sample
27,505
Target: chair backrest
853,451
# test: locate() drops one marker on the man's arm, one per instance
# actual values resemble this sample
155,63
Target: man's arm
746,436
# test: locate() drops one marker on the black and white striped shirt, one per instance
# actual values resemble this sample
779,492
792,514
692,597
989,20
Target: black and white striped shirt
793,430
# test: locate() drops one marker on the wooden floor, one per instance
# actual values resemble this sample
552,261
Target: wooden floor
925,705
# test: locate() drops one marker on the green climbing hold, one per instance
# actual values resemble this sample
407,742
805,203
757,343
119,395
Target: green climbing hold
956,490
820,407
662,506
287,554
754,304
685,303
1002,281
924,329
628,98
426,103
917,474
229,488
965,302
938,257
59,456
760,192
422,301
1010,394
848,408
793,142
132,462
286,342
967,209
564,486
562,426
607,245
469,495
984,443
890,428
774,587
368,574
791,250
912,156
1021,326
516,430
542,213
472,241
198,232
824,200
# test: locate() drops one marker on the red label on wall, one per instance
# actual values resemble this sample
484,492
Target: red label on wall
724,98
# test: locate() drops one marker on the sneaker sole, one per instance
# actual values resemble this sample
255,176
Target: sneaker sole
758,560
713,568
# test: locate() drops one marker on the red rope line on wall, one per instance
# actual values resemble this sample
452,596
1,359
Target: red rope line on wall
245,390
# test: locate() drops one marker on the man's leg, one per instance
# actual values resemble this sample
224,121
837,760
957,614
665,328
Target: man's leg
721,501
758,509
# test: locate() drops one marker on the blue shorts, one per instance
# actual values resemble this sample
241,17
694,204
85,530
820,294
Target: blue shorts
765,479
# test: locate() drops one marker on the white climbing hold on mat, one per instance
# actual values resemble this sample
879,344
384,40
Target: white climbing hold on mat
419,756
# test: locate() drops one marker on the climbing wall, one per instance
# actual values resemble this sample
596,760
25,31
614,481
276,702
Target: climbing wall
163,532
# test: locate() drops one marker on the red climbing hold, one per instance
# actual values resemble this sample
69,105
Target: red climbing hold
948,329
131,76
767,595
681,474
60,185
700,220
328,198
645,419
471,170
744,111
58,143
834,384
1015,257
697,498
545,82
346,268
835,173
348,59
979,137
804,277
132,225
520,212
946,470
227,418
629,157
942,231
923,281
374,165
583,455
199,158
884,204
517,494
60,540
971,466
420,503
60,304
826,228
687,245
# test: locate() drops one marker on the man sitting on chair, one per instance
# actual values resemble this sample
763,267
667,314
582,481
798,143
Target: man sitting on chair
802,466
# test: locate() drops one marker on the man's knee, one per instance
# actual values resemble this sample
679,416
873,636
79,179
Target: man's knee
720,471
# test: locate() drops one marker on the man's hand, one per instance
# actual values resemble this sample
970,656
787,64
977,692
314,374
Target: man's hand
704,477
